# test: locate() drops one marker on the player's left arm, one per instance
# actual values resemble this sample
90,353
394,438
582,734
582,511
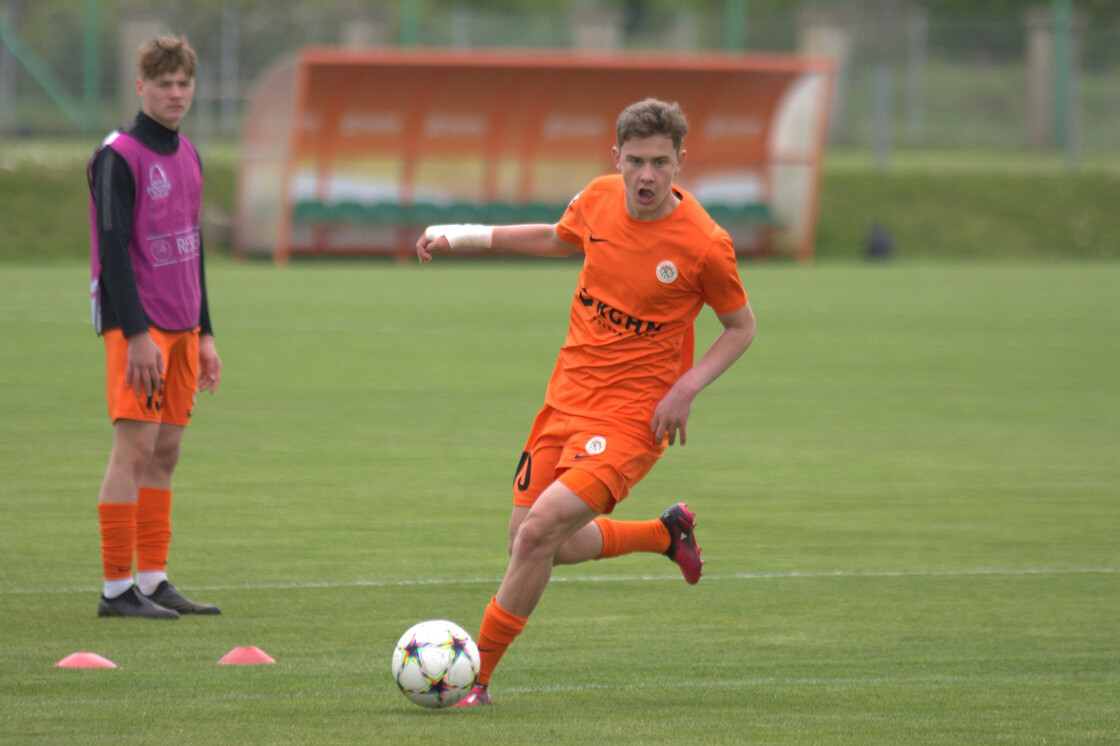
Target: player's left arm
209,363
671,414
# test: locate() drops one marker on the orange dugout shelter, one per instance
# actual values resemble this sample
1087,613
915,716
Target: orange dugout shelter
354,151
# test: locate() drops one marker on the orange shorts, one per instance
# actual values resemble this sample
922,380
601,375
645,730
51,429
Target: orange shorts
175,402
598,461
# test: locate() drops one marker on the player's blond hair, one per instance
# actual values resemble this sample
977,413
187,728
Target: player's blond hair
167,54
649,118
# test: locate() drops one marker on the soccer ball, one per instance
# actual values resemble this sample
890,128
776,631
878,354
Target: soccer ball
435,663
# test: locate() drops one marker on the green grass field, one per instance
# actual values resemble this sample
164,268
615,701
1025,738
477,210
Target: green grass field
908,495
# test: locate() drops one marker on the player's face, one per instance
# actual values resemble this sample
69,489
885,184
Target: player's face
648,165
166,98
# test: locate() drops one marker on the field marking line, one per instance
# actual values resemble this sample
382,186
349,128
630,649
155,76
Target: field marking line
983,678
788,575
818,681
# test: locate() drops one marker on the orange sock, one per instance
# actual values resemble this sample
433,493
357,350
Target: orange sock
624,537
118,539
153,529
498,630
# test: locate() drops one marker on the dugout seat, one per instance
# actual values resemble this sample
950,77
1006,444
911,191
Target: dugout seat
311,212
732,215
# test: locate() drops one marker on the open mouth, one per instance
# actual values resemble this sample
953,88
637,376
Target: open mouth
645,195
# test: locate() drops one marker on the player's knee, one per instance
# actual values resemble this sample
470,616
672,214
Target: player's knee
535,540
166,456
132,460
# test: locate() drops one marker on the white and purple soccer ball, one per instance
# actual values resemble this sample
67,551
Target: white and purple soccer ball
435,663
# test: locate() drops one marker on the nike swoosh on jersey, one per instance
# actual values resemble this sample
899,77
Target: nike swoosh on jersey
596,238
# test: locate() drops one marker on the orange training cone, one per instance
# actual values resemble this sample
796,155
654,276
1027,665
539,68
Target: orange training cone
246,655
85,660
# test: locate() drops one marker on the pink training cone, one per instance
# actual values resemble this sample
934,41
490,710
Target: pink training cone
246,655
85,660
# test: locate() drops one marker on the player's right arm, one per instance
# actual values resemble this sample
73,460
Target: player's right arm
534,239
114,194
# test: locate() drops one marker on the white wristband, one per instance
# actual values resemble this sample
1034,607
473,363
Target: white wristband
462,235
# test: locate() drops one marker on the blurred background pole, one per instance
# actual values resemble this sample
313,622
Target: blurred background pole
882,124
916,54
7,75
410,23
229,70
735,25
1063,109
91,67
39,71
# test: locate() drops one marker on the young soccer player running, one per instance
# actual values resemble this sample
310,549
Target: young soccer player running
624,382
149,304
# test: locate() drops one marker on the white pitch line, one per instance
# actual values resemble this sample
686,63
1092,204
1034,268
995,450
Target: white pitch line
788,575
769,682
843,681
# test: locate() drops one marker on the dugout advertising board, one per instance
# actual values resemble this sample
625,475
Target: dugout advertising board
356,150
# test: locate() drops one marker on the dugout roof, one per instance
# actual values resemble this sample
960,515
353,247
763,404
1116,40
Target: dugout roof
335,138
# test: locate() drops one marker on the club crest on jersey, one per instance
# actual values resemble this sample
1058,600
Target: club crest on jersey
158,185
667,272
596,445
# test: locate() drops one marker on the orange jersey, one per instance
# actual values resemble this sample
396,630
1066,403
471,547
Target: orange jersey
642,285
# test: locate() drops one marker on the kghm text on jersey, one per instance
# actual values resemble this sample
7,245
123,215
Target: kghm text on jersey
616,320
